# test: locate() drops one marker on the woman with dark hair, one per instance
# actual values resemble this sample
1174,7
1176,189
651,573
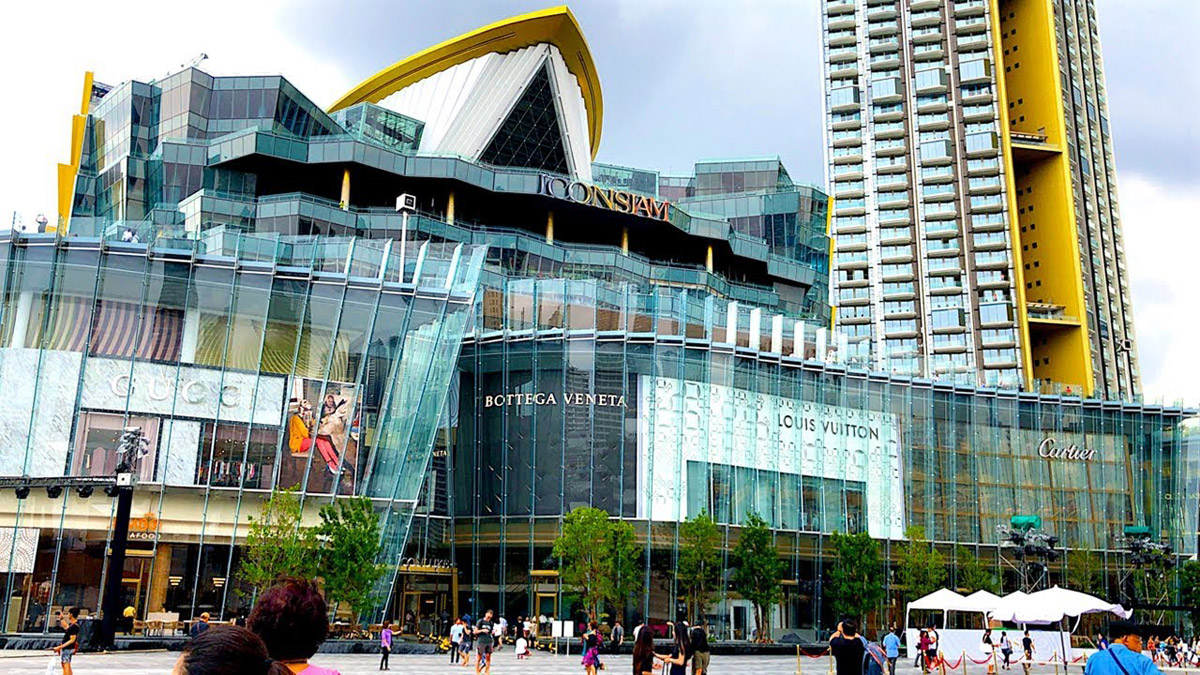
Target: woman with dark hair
681,651
643,653
591,649
385,645
292,619
700,651
227,650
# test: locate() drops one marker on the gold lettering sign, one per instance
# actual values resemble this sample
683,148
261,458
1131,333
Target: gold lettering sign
610,199
1050,449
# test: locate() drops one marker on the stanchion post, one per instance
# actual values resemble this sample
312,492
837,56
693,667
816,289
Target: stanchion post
797,659
1054,658
964,661
830,652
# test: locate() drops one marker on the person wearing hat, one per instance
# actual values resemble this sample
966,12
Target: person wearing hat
200,626
1124,654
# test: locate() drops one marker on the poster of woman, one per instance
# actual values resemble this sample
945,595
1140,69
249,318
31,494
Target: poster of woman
322,432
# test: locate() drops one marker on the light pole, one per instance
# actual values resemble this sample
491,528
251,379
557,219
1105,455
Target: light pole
132,448
405,204
1031,548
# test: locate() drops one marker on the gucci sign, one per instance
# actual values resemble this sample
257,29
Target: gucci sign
160,389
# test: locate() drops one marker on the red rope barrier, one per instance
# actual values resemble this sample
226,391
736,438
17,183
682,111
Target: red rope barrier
1080,658
950,666
816,656
978,662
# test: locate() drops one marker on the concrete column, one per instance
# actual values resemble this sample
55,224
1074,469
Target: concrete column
777,334
21,321
798,340
625,240
708,259
344,203
822,344
731,325
756,328
549,227
191,335
450,209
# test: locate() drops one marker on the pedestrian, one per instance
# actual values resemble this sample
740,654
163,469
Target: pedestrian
637,629
681,651
456,638
1101,641
700,651
200,626
227,650
891,649
988,649
467,644
848,651
483,642
1028,649
1006,649
385,645
933,655
875,661
591,648
522,648
618,637
1124,654
922,649
69,646
643,652
292,619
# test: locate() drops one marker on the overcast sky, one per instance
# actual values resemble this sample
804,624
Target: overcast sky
682,80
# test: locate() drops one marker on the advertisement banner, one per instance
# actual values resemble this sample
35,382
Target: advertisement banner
682,421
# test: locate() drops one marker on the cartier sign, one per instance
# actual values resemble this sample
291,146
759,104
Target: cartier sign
1050,449
610,199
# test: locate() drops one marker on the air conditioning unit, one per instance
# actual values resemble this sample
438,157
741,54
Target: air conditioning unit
406,202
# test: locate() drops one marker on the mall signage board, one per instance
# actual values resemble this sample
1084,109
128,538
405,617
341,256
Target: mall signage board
609,199
1050,449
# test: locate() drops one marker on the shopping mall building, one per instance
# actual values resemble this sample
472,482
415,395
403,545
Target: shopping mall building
527,332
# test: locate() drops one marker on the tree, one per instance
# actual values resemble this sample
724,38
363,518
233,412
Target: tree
277,544
585,551
920,567
972,574
1189,584
626,576
757,569
350,532
699,570
1085,572
856,578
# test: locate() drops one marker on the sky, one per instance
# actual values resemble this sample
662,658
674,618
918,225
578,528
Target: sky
682,80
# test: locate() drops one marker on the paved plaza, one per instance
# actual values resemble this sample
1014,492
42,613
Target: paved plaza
505,664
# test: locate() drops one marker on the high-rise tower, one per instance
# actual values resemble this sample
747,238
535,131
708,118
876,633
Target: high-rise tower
974,194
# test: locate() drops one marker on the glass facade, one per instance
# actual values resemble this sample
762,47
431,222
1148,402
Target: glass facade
251,363
655,425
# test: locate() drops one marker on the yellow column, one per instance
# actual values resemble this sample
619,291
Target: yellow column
344,203
708,259
160,580
450,209
550,227
625,240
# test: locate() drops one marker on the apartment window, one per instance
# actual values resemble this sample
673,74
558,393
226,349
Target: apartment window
981,142
900,347
849,186
950,340
983,164
936,135
998,356
898,288
937,189
857,331
854,312
931,79
997,336
943,171
935,151
900,307
977,69
946,302
998,313
969,90
843,97
839,117
900,326
846,222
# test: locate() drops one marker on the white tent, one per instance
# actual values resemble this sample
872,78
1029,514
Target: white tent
985,600
1051,606
943,599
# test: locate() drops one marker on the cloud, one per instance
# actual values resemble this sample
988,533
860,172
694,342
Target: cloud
1161,241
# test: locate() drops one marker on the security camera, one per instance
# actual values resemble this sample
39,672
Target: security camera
406,202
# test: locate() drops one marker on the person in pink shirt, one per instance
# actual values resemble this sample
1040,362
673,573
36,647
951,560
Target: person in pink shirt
291,617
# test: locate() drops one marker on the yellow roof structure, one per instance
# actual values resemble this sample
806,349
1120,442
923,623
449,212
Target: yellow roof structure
556,26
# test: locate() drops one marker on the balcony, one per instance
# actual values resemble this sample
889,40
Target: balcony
881,12
975,24
928,52
842,38
931,17
970,7
895,235
1044,312
835,7
893,200
882,28
889,130
890,148
930,34
841,21
884,44
843,54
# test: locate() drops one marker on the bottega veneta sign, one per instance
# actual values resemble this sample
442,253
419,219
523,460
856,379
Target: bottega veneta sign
610,199
552,398
1050,449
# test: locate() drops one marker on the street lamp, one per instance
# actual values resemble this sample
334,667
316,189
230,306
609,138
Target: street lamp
405,204
132,447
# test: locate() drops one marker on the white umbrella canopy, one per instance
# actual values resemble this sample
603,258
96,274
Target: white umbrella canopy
984,600
1051,605
943,598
